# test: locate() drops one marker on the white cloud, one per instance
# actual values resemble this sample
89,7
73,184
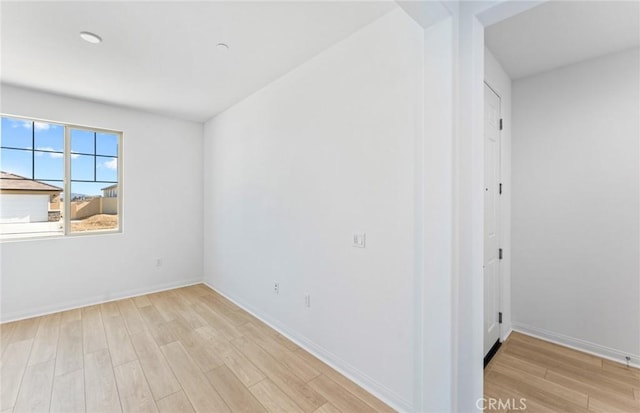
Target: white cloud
41,126
52,154
38,125
112,164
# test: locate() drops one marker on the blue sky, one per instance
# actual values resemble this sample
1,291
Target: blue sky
49,159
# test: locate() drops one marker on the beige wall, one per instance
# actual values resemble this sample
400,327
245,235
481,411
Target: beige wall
85,209
109,205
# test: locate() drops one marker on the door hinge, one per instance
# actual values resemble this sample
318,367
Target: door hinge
500,188
500,124
500,253
500,317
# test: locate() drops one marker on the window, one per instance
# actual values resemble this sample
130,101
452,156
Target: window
58,179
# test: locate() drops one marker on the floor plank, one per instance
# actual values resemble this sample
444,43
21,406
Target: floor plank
25,329
608,406
233,392
68,393
70,315
161,330
70,354
365,396
217,321
274,399
197,347
156,369
165,307
109,310
173,403
118,340
100,384
339,396
201,394
246,371
327,408
35,390
45,342
6,330
133,389
520,364
141,301
297,365
131,316
93,337
304,396
14,363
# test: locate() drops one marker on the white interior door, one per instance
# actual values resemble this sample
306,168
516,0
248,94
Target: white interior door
491,218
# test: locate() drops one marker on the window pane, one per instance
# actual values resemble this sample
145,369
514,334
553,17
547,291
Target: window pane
106,144
16,162
82,167
82,141
106,169
49,165
90,210
49,137
16,133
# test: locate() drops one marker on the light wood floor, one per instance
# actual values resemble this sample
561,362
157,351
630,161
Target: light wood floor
183,350
553,378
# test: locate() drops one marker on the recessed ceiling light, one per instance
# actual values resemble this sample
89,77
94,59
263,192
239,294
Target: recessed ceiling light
223,47
91,37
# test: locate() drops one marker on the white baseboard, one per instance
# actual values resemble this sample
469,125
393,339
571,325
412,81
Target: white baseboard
371,385
578,344
506,335
40,311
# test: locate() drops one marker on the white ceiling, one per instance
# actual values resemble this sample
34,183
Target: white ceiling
162,56
558,33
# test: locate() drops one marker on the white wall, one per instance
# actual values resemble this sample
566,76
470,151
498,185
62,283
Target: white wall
499,81
162,215
576,205
292,171
435,219
468,210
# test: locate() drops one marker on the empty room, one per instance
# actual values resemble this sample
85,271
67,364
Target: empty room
319,206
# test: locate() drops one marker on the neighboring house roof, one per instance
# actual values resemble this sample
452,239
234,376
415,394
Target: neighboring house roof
110,187
9,181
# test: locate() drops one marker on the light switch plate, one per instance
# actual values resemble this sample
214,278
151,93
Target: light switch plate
359,239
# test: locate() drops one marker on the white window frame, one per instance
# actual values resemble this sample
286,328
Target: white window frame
67,180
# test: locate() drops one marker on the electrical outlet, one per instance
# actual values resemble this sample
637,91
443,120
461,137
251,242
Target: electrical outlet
158,262
276,288
307,300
